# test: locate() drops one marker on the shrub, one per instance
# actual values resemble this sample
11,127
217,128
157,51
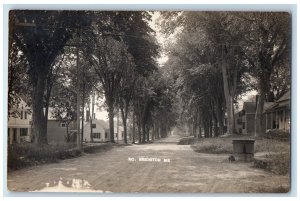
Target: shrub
281,135
213,145
186,141
278,163
224,145
27,154
97,148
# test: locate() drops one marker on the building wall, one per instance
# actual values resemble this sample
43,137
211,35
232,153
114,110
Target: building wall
15,124
250,123
284,119
55,132
287,123
238,123
99,129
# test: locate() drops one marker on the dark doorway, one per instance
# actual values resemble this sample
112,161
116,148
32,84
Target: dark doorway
14,135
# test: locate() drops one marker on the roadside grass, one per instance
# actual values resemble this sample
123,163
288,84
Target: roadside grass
279,189
186,140
274,153
28,154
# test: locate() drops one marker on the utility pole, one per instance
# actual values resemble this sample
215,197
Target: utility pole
118,125
78,99
92,115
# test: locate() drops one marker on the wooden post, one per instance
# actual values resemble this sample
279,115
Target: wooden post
271,120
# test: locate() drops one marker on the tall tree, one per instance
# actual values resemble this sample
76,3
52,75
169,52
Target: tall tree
41,36
110,59
268,46
212,39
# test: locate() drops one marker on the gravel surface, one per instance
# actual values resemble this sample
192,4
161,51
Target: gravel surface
156,167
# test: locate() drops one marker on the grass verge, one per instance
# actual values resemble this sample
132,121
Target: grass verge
274,153
27,154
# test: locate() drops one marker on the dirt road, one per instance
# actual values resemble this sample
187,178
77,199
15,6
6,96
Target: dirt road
158,167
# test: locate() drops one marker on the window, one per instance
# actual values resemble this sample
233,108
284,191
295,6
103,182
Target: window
244,126
63,125
96,135
105,134
93,125
21,114
25,114
23,131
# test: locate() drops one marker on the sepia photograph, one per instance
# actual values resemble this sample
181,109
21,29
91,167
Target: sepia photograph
143,101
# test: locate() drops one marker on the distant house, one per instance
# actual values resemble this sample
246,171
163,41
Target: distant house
278,115
100,131
19,124
245,119
57,131
119,133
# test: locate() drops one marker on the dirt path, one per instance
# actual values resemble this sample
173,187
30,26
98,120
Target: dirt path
119,170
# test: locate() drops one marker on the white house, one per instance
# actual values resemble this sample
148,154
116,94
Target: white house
100,131
19,125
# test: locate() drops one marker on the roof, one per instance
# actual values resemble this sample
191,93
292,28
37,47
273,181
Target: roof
103,123
250,107
285,97
268,105
283,101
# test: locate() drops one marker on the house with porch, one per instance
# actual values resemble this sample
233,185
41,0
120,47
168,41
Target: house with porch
278,115
19,124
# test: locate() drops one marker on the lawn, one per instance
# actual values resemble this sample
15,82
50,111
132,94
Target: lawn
274,154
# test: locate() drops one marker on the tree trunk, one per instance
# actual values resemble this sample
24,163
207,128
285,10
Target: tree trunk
111,121
152,136
144,132
200,131
68,137
39,129
259,130
139,132
147,132
220,117
133,128
91,126
78,101
92,116
124,120
216,130
82,120
229,92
